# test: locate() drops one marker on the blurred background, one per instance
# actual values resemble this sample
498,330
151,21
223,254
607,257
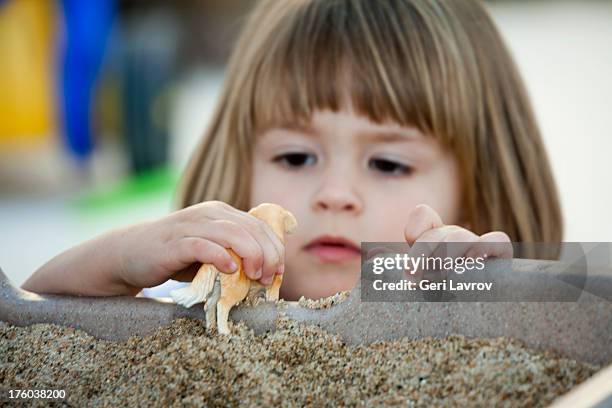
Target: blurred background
102,101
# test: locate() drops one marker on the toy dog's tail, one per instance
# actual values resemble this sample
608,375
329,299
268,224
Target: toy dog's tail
199,289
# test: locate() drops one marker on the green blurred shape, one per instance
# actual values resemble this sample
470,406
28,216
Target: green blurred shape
133,190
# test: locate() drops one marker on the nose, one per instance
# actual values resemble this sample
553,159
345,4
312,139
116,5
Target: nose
337,196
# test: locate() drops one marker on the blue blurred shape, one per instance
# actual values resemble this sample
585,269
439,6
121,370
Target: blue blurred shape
87,28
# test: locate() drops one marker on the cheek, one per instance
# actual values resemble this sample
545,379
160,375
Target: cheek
388,217
388,214
293,245
443,198
446,198
262,189
257,187
269,185
439,187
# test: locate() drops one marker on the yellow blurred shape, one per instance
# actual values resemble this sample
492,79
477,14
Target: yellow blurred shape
27,71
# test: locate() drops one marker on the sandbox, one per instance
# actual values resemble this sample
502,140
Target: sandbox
357,353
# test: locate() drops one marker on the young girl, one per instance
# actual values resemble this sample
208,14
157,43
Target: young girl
369,121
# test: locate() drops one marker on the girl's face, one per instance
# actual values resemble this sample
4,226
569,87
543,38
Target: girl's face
347,180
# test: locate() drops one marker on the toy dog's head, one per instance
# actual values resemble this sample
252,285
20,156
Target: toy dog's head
280,220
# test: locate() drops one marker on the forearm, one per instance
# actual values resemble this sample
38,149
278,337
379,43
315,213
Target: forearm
92,268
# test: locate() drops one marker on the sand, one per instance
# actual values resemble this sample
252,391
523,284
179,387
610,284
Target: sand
298,365
324,303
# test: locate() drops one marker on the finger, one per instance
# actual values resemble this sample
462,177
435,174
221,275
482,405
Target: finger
271,246
434,243
428,242
270,257
272,249
247,236
195,249
422,218
494,244
232,235
224,224
255,223
456,242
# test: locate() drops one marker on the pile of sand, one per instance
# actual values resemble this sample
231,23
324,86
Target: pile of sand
324,303
297,365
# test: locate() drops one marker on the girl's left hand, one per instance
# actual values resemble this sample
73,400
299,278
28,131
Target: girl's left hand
425,228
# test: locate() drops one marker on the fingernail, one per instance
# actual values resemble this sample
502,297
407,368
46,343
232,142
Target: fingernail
267,280
257,274
281,270
233,266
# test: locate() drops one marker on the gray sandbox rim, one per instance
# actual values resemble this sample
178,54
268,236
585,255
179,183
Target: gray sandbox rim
581,330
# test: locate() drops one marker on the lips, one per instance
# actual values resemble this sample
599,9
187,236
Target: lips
335,249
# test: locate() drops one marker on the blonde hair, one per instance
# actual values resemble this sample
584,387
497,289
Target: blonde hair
438,65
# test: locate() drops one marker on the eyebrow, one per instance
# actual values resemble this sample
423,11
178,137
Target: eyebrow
375,135
390,136
369,135
297,127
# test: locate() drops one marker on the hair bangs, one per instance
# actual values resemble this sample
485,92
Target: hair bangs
336,54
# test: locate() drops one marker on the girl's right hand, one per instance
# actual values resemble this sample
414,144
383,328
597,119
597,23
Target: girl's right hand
173,247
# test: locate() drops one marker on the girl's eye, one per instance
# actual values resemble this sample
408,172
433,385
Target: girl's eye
296,159
390,167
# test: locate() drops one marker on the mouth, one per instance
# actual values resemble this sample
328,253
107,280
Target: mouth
334,249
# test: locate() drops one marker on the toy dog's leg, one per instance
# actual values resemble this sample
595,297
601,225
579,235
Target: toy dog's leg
272,292
210,307
223,309
234,288
202,284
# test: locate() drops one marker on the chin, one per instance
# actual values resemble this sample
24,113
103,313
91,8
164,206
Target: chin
315,280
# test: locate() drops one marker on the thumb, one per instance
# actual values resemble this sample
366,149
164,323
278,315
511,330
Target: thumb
420,220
